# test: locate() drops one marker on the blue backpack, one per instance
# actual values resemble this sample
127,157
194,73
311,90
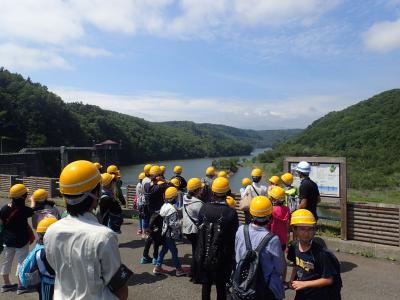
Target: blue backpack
29,274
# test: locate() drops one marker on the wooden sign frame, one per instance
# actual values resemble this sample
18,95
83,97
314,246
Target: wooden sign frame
342,182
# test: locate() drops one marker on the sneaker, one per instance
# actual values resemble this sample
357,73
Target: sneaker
154,261
145,260
182,272
139,232
24,290
159,271
8,287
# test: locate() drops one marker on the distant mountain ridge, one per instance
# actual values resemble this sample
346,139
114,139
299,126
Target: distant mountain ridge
31,116
256,138
367,133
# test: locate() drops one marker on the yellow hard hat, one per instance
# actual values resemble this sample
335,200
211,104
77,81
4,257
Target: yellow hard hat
112,169
220,185
257,172
222,174
106,178
79,177
175,181
260,207
210,171
18,190
155,170
277,193
98,165
170,193
142,176
177,169
44,224
287,178
274,179
39,195
246,182
231,202
194,184
146,168
302,217
162,168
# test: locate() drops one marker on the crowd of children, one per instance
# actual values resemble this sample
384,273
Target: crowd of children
207,217
244,260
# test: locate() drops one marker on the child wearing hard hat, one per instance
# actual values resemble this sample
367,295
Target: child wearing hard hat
315,268
119,195
210,174
271,257
16,233
292,198
110,209
43,207
178,174
273,181
141,206
36,262
171,230
245,182
280,221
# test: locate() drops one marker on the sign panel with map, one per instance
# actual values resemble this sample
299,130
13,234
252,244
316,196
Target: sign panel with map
325,175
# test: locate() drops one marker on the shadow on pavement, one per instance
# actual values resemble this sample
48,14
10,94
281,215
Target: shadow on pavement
145,278
185,260
346,266
132,244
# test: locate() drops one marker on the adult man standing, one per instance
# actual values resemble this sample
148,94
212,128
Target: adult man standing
308,190
83,253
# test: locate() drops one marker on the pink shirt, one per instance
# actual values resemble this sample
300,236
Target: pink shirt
280,222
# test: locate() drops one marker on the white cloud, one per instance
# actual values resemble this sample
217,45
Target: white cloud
255,12
40,21
292,112
383,36
62,23
16,57
89,51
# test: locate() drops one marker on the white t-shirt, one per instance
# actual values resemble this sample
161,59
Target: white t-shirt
261,189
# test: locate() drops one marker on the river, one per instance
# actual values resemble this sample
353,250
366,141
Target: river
191,168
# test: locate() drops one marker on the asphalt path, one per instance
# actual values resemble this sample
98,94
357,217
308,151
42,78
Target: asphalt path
363,278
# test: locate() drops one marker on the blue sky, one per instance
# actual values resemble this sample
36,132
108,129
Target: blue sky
244,63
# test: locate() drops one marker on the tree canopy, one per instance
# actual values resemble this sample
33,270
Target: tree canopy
366,133
31,116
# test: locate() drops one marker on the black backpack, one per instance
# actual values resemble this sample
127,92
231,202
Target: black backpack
248,281
336,287
211,236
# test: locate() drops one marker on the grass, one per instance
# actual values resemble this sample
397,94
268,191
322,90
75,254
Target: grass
390,195
328,228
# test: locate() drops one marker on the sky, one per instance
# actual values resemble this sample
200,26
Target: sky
257,64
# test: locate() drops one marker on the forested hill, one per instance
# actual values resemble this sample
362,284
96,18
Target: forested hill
367,133
31,116
257,138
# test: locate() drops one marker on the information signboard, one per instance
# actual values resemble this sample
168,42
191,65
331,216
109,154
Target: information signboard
325,175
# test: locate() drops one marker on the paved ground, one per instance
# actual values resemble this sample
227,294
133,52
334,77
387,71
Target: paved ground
363,278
